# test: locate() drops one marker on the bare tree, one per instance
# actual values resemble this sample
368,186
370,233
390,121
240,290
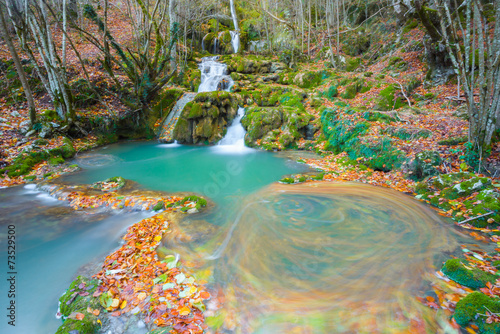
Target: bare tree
33,24
474,47
19,68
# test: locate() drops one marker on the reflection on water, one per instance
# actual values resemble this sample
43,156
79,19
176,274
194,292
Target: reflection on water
328,258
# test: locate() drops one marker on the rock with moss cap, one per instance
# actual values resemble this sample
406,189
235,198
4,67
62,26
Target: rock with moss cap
471,277
75,302
470,308
205,119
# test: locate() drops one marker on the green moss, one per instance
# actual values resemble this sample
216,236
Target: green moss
473,278
200,202
397,64
350,92
375,116
469,308
425,164
79,296
287,180
387,99
88,325
352,64
54,161
453,141
25,161
331,93
159,206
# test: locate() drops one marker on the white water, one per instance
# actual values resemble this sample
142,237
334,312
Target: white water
214,76
234,140
235,41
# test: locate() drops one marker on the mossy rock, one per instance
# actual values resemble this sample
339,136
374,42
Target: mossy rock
452,141
23,164
310,79
200,202
466,188
111,184
204,120
331,93
471,277
397,64
468,310
79,296
159,206
352,64
88,325
387,99
376,116
287,180
55,161
278,127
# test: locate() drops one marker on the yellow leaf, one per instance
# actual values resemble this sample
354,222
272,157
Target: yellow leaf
158,238
124,303
141,296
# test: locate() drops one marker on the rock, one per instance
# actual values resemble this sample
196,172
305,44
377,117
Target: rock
23,124
15,113
3,120
30,133
274,78
277,67
204,119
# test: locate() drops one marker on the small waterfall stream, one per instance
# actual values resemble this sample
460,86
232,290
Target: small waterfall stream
214,75
235,41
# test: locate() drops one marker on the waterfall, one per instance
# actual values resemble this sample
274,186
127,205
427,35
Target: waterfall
215,45
234,140
235,132
235,41
214,76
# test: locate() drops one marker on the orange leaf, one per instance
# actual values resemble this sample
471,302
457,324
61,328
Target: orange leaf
184,310
204,295
79,316
96,312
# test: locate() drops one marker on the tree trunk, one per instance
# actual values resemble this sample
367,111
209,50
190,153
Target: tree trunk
172,13
19,68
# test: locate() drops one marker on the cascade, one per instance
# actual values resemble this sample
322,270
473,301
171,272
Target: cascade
234,140
235,41
214,75
167,128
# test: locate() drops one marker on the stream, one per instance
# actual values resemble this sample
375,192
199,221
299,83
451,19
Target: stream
318,257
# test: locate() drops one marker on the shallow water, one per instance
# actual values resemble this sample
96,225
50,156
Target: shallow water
311,258
53,242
